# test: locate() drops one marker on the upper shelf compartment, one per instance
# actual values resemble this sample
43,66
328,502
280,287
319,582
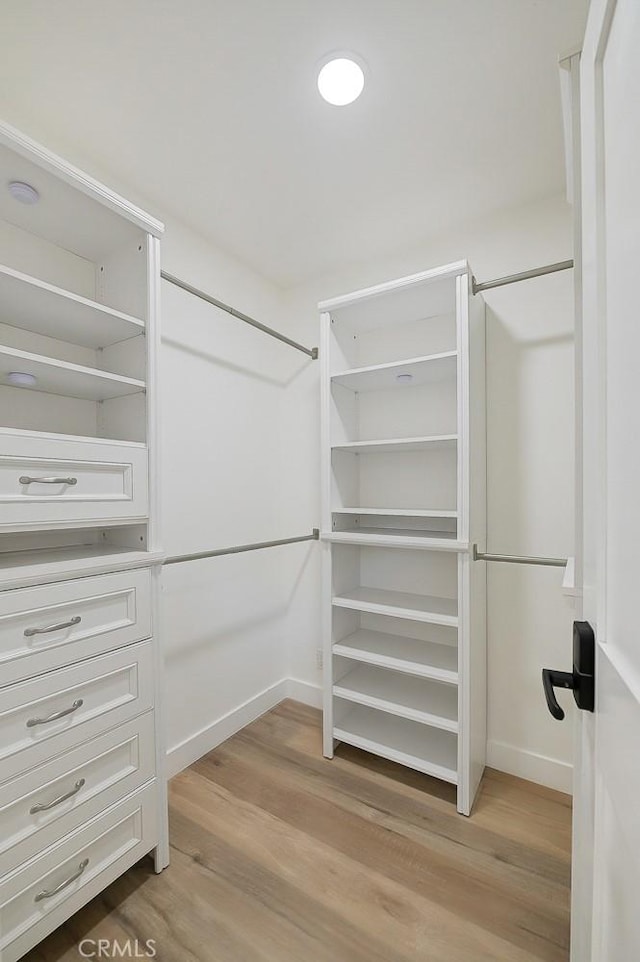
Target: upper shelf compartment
75,234
36,306
403,321
74,212
413,372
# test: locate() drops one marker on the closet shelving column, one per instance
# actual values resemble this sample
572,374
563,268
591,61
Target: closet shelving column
82,787
403,490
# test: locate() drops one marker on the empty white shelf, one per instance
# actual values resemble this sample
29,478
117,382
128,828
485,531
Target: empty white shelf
410,655
400,604
399,512
399,538
378,377
34,305
33,566
426,749
63,377
418,699
390,445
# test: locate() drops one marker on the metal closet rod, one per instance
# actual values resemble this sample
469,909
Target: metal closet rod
312,352
239,548
519,559
476,289
523,276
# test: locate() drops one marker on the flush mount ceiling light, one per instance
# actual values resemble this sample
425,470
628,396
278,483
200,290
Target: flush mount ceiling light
341,81
404,378
23,193
21,379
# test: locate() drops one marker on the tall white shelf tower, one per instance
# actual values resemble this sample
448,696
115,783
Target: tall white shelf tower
403,488
82,787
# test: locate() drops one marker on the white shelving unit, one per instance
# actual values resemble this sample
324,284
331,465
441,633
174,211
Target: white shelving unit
403,499
81,733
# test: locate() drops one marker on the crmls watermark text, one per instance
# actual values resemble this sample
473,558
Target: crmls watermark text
114,949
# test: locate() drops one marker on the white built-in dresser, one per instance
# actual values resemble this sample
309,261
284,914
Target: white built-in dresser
82,792
403,482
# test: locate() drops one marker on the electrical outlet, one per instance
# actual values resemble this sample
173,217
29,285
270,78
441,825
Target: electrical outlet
318,657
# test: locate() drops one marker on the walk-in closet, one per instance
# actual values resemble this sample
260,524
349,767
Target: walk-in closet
318,360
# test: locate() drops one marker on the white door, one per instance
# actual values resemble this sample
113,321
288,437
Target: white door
606,899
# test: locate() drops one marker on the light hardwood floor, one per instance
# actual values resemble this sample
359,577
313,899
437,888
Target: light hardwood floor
279,855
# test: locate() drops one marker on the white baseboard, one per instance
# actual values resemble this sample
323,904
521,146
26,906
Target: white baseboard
191,749
304,692
506,758
535,768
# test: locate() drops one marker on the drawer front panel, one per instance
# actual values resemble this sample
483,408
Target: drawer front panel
37,899
49,626
45,716
69,481
42,806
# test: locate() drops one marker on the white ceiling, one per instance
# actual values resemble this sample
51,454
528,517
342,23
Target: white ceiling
209,108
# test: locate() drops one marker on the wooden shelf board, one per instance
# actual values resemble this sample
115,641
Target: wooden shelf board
390,445
36,306
66,379
417,699
410,655
425,749
400,604
378,377
399,538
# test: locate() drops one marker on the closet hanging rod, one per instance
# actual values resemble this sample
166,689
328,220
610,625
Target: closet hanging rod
312,352
239,548
519,559
524,276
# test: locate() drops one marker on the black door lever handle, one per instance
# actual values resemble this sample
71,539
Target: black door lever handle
555,679
581,680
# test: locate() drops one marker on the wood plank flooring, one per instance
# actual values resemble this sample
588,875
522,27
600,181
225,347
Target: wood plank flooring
279,855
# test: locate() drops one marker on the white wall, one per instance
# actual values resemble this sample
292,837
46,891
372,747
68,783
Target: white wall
223,625
530,471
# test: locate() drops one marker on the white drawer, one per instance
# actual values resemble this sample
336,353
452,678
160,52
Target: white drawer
62,481
49,626
77,869
50,714
40,807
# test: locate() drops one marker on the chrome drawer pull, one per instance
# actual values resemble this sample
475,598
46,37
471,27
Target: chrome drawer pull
45,806
56,715
44,631
76,875
25,479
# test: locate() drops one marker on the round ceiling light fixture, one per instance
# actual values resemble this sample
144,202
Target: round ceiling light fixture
341,81
21,379
404,378
23,193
